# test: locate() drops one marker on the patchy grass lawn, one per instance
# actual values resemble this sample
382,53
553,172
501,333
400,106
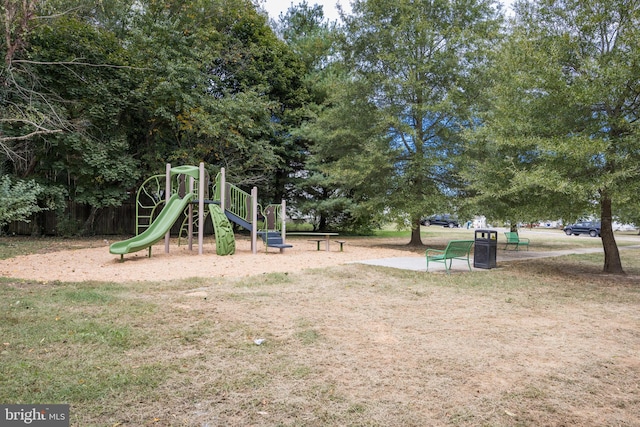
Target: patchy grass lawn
545,342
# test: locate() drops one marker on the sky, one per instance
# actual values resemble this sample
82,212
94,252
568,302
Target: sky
274,7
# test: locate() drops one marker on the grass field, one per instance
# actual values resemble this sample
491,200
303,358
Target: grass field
547,342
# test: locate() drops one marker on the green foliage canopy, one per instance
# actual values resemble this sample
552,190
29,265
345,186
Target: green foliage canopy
422,62
95,96
560,135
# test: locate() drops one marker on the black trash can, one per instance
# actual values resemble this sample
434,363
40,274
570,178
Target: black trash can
486,247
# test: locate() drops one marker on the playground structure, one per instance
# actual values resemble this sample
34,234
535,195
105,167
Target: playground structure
183,191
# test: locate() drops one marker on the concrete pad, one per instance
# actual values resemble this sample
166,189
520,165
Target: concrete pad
420,263
416,264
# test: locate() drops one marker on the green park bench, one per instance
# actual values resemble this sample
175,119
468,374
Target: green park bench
514,239
456,249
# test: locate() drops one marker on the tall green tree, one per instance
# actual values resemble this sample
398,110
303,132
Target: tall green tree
63,94
220,88
95,95
26,112
84,66
313,39
350,162
421,60
563,122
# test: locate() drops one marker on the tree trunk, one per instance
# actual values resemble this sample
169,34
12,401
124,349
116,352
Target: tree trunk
612,263
36,230
322,224
416,240
88,224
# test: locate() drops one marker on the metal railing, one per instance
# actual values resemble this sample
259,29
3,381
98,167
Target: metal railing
237,201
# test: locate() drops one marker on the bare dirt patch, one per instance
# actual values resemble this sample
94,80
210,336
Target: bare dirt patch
96,263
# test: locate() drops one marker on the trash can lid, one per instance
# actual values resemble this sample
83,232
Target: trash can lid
487,234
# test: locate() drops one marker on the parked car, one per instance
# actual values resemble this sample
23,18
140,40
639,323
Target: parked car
443,220
591,228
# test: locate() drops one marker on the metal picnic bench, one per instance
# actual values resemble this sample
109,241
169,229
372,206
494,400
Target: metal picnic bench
514,239
456,249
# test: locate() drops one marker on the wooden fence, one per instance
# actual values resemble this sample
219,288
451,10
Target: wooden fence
108,221
120,220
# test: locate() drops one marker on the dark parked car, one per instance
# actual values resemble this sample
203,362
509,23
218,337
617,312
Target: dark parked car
591,228
443,220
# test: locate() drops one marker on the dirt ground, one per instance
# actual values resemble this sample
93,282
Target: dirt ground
353,346
96,263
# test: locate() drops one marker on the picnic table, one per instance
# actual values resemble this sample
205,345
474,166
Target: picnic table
326,237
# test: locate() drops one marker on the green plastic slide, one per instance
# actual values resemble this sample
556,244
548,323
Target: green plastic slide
225,240
158,228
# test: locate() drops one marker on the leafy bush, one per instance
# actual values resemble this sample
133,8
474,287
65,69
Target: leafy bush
18,200
68,227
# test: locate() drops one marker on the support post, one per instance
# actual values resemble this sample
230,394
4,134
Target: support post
190,219
254,220
167,196
201,185
223,190
283,228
